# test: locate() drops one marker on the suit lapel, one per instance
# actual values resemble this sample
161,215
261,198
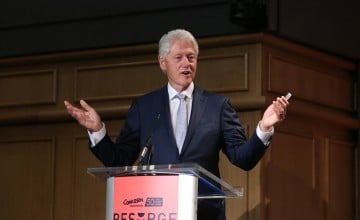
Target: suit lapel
198,107
165,115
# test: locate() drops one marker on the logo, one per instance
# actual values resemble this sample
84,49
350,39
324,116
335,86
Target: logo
154,202
145,216
137,202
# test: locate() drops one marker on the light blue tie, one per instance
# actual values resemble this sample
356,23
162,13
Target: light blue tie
181,121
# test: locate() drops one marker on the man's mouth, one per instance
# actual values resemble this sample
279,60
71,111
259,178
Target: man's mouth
186,73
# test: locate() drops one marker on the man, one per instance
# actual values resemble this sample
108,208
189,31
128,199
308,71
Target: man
210,123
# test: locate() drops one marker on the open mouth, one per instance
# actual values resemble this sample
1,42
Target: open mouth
186,73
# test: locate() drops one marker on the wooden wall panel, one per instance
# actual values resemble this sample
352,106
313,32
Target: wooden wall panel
112,81
27,179
88,191
232,69
291,177
341,170
32,87
300,183
311,83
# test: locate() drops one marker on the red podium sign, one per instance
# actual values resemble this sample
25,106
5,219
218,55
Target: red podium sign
146,197
152,197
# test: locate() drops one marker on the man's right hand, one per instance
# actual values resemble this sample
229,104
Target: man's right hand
87,116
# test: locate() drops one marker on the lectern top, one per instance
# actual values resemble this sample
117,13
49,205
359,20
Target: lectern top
209,185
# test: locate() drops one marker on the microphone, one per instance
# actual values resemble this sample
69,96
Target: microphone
148,147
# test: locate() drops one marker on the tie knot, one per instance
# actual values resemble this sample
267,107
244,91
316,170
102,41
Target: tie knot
180,96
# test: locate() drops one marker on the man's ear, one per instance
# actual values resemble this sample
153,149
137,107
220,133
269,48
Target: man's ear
162,63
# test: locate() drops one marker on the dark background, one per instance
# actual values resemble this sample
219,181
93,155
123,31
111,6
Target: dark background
43,26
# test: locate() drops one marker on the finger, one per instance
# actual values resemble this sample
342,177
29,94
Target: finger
86,106
76,113
279,111
283,103
282,100
277,108
67,104
69,107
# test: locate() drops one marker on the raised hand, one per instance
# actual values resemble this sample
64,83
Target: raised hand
275,113
86,116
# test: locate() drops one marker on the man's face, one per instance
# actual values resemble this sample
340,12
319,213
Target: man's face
180,65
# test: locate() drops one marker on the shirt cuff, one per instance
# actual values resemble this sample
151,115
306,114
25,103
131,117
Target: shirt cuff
264,136
97,136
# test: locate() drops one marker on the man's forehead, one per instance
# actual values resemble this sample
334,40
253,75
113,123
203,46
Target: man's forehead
181,45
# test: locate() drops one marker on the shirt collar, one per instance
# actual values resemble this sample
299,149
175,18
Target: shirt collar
188,91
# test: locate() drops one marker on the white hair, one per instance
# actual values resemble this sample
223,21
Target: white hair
168,39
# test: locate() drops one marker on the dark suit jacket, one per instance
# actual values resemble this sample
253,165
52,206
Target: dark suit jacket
214,126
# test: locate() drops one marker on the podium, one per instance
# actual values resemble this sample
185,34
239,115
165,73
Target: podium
160,191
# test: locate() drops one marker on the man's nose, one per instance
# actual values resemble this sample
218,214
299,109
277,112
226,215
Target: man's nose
186,61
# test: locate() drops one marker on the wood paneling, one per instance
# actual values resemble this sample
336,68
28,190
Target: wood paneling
31,87
303,170
307,173
112,81
305,82
27,178
232,69
291,177
89,192
341,170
